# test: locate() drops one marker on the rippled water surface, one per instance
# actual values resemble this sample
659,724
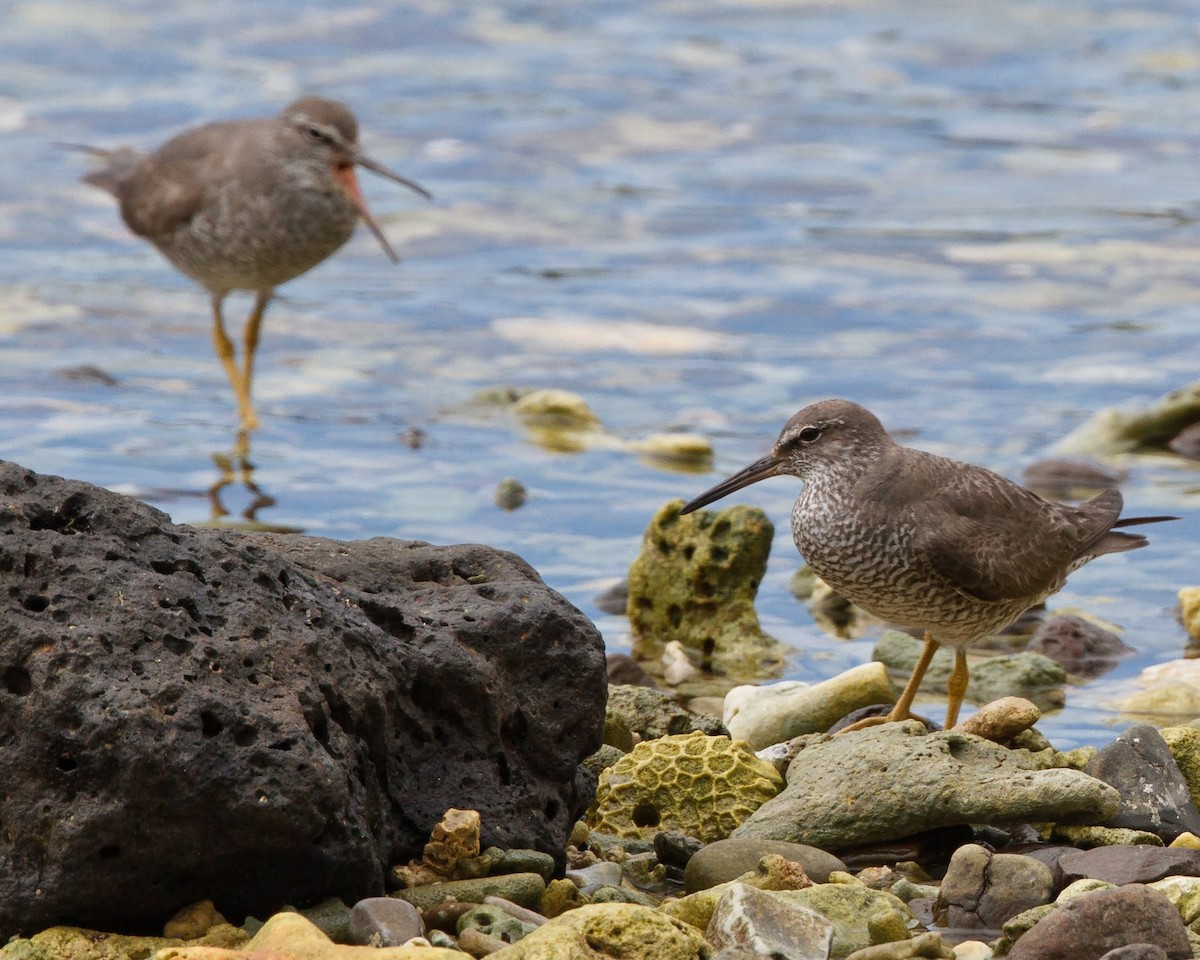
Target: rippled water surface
977,219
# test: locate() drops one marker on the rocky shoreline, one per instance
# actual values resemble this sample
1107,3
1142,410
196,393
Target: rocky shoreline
426,741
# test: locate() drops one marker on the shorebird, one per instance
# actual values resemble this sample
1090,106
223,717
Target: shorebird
925,541
247,205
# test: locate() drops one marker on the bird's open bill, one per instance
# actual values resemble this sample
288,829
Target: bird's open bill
768,466
346,176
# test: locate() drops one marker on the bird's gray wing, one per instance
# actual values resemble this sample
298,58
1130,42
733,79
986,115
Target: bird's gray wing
996,541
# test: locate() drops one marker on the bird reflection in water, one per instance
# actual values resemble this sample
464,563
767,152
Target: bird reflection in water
235,470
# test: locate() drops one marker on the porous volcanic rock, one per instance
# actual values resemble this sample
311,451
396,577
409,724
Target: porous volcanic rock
257,719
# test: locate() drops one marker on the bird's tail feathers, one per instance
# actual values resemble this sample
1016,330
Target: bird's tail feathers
117,164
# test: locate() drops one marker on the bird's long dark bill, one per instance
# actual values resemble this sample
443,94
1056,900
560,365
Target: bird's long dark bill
759,470
368,164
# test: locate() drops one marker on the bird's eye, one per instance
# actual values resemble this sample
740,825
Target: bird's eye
809,434
314,134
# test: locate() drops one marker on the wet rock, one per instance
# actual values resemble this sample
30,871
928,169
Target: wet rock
685,452
1001,720
1083,648
1154,794
675,848
523,888
695,580
772,713
384,922
768,923
1186,442
1121,864
725,860
1062,476
887,782
1093,924
146,702
626,930
652,713
704,786
1189,610
983,889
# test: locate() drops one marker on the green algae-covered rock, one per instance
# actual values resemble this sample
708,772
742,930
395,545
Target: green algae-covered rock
76,943
653,713
704,786
1113,431
1185,748
861,917
523,888
695,580
600,931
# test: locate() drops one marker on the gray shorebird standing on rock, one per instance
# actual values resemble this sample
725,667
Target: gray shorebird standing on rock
248,205
924,541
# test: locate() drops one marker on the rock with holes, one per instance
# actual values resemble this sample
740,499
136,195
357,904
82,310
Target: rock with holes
695,580
256,719
704,786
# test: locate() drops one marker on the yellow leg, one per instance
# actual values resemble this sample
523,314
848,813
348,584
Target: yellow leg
249,346
224,348
956,688
903,708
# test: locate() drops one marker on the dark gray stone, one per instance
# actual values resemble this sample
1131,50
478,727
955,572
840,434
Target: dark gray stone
1129,864
196,713
1090,925
675,848
384,922
1083,648
1137,951
1154,793
982,889
728,859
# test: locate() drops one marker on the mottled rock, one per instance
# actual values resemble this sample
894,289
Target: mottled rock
768,923
772,873
305,707
892,781
725,860
928,946
1083,648
767,714
1154,794
704,786
983,889
675,848
651,713
1184,893
1120,865
1089,836
695,580
384,922
608,931
1092,924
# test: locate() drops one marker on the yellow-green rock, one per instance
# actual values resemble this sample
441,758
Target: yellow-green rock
861,917
1184,893
1185,748
695,580
685,452
601,931
288,936
76,943
1189,610
1112,431
1087,836
773,873
704,786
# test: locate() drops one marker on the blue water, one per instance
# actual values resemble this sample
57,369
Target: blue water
979,220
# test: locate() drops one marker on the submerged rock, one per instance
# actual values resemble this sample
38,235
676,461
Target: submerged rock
1116,431
695,580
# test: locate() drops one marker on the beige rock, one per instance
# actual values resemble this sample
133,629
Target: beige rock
194,921
601,931
1189,610
1001,720
76,943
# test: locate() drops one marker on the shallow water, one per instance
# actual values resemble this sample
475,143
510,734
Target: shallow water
978,221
